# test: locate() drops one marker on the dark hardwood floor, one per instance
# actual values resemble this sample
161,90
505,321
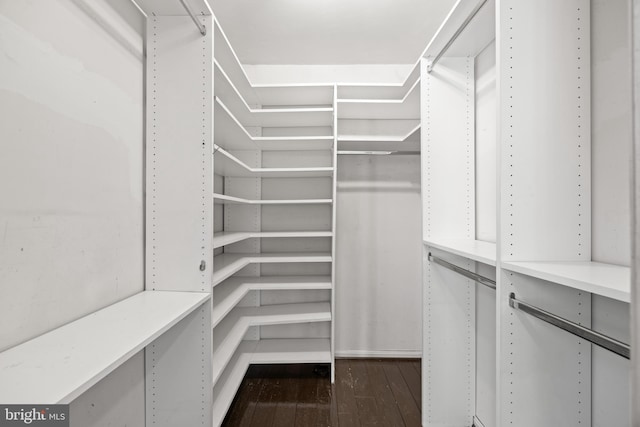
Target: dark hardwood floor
367,392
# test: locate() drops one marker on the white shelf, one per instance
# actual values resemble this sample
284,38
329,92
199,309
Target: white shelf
476,250
230,133
229,293
226,164
259,352
62,364
228,334
478,33
412,135
272,95
267,117
612,281
382,90
407,108
224,199
229,237
225,265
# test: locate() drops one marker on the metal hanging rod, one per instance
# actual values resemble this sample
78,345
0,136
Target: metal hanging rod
376,153
459,31
200,25
469,274
611,344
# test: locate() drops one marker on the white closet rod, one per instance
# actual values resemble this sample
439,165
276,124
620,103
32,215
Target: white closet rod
455,36
200,25
470,274
611,344
377,153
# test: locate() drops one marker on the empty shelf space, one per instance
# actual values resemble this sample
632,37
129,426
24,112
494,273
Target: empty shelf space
612,281
231,134
267,117
476,250
60,365
272,95
413,134
224,199
228,334
231,291
259,352
225,265
381,91
229,237
226,164
407,108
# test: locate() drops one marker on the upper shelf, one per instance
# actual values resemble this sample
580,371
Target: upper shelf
267,117
456,40
266,95
230,133
62,364
476,250
406,141
406,108
381,91
608,280
226,164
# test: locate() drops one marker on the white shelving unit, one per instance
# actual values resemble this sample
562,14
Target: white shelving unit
486,361
274,227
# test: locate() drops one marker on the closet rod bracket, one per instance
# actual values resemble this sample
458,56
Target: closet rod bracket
200,25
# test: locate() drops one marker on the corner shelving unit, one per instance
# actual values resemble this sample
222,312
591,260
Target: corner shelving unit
273,234
534,351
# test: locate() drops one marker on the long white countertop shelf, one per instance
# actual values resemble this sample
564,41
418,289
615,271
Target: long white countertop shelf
231,134
484,252
224,199
224,238
228,334
406,108
612,281
260,352
225,265
267,117
230,292
226,164
62,364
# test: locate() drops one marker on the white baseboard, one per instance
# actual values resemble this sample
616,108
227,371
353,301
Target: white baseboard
392,354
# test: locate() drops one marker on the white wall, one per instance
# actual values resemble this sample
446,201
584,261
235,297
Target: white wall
71,169
328,74
378,256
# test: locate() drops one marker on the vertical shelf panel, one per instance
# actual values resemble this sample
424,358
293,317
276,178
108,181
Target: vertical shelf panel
544,88
544,98
179,213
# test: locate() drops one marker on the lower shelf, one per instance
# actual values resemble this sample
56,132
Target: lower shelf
229,333
261,352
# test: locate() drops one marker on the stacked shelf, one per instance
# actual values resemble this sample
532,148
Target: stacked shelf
380,117
274,163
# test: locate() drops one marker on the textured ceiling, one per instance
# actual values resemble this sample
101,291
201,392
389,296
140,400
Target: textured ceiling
330,31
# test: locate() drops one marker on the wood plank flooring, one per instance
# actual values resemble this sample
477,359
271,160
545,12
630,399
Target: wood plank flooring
367,392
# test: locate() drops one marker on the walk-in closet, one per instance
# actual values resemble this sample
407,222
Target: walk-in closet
340,213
